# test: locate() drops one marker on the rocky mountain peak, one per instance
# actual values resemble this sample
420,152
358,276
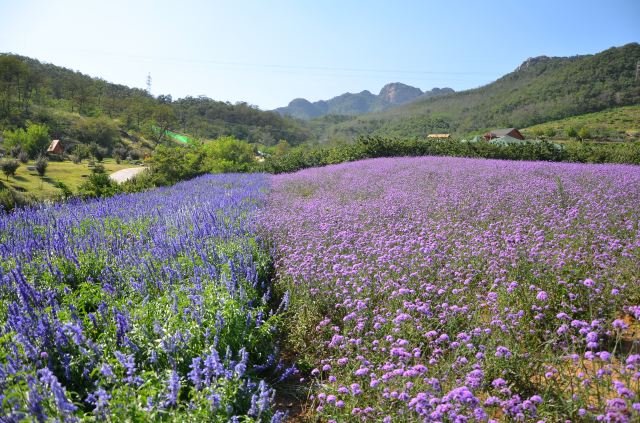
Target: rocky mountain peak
398,93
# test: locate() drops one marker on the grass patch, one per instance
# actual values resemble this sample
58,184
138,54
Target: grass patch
69,173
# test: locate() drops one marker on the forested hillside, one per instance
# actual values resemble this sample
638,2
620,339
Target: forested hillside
79,108
539,90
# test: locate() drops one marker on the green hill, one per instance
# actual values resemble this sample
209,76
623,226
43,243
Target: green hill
620,123
539,90
75,107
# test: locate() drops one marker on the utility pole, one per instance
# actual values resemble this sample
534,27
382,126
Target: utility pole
637,70
149,83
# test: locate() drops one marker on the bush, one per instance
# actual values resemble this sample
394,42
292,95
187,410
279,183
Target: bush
10,199
228,154
66,191
41,165
9,167
98,185
23,157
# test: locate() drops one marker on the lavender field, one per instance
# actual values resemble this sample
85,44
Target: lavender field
142,307
443,289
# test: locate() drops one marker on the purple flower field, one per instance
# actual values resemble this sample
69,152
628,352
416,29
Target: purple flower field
142,307
422,289
448,289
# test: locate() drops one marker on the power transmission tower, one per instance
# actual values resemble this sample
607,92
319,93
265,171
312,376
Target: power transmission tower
149,83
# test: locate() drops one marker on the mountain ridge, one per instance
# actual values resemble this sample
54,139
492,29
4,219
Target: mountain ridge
540,89
350,104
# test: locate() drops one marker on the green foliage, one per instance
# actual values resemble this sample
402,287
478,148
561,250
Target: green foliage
583,133
228,154
66,192
100,130
41,165
23,157
173,164
572,132
77,107
371,147
16,82
34,140
616,124
207,118
10,199
98,184
9,167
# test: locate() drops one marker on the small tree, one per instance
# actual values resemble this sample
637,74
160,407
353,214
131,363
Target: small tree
23,157
41,165
37,139
9,167
584,133
550,132
571,132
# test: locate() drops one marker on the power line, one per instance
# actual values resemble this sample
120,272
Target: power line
284,68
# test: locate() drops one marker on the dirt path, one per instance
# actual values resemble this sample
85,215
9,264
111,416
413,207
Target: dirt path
126,174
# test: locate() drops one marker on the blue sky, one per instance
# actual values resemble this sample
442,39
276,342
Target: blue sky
269,52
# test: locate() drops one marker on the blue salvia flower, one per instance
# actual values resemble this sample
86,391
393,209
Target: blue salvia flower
279,417
100,400
288,372
107,371
173,390
128,362
48,379
241,367
214,400
35,400
195,375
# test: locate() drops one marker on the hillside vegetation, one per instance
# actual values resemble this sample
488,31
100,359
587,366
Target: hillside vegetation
77,107
541,89
620,123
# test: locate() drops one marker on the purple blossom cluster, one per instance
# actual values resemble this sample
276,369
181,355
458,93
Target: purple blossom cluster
138,307
449,289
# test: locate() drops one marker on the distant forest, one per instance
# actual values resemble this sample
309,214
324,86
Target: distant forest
75,106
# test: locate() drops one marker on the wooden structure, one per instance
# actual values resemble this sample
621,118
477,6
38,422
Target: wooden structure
55,147
439,136
497,133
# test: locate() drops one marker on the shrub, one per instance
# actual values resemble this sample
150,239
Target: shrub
99,184
10,199
41,165
23,157
9,167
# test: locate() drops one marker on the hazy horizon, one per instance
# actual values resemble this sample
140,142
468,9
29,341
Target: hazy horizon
269,54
